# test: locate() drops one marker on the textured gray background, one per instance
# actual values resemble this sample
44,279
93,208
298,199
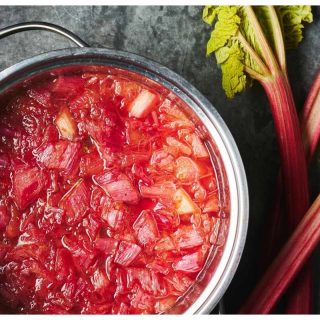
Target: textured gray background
176,37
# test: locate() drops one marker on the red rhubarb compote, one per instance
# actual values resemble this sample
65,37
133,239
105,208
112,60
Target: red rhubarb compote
109,201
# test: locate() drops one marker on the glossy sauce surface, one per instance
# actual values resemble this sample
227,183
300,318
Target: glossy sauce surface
109,201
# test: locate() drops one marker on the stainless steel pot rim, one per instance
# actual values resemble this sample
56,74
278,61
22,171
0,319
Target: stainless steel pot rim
212,120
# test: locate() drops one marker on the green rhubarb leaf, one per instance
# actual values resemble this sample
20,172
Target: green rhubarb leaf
225,28
231,59
233,38
209,14
292,19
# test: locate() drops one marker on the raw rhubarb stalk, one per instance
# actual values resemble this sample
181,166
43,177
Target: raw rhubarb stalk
310,128
287,264
294,170
310,120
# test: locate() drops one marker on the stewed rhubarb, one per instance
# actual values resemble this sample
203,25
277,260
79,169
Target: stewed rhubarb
109,201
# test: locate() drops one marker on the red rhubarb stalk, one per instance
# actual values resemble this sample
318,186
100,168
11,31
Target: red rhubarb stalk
310,120
287,264
310,128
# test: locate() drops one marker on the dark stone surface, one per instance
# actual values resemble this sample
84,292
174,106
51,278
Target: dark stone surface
176,37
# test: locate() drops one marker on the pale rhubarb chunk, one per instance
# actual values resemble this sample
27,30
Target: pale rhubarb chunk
184,203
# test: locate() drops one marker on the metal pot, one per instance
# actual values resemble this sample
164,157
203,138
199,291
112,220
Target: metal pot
212,285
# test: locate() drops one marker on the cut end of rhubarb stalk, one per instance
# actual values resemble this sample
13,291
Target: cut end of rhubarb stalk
143,104
184,203
66,124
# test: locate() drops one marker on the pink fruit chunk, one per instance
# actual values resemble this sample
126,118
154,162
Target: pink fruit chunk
142,301
114,217
63,264
163,305
76,201
166,219
145,228
178,282
118,187
198,148
51,134
184,203
28,183
62,155
162,160
107,245
127,89
143,104
66,124
99,281
165,244
127,253
83,256
187,237
147,279
41,95
91,164
186,170
181,147
189,263
68,85
212,205
164,190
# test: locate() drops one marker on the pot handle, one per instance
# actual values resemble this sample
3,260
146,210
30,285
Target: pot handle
38,25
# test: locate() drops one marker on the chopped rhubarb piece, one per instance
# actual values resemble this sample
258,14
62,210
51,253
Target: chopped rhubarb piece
198,148
166,219
28,183
66,124
158,265
212,205
91,164
63,265
42,96
165,304
142,301
184,203
145,228
181,147
164,190
187,237
114,216
62,155
68,85
92,226
189,263
76,201
99,281
127,89
162,160
51,134
147,279
120,188
107,245
134,158
127,253
179,281
143,104
83,256
165,244
187,170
